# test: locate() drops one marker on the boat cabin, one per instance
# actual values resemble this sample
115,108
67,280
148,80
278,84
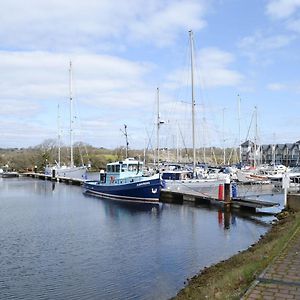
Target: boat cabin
123,171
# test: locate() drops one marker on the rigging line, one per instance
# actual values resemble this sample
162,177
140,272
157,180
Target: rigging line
186,152
252,117
149,139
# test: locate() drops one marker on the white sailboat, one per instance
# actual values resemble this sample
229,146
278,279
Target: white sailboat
68,171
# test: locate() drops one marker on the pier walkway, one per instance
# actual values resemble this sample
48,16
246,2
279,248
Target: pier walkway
74,181
281,280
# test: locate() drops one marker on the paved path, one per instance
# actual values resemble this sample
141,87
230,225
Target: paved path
281,280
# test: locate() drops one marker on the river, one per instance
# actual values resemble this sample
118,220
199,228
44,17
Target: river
57,243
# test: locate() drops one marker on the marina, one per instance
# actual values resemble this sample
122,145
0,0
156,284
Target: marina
179,197
149,150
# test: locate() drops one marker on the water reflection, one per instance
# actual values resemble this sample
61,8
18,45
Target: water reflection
115,208
226,218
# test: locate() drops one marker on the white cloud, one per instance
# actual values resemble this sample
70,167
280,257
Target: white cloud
72,25
259,46
213,70
106,87
287,11
276,86
260,42
281,9
164,21
293,25
44,75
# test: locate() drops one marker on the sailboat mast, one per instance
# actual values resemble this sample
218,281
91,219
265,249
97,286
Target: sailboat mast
193,99
71,116
224,150
157,128
256,137
58,134
239,120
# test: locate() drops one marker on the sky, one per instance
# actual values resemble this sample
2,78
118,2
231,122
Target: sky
246,55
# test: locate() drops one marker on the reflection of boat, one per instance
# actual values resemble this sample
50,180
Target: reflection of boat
70,171
124,181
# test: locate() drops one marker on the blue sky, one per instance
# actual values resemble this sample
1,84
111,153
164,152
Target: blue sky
123,50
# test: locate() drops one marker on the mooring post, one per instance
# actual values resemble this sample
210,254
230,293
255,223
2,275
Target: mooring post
227,197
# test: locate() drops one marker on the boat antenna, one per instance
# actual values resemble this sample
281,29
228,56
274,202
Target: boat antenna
126,138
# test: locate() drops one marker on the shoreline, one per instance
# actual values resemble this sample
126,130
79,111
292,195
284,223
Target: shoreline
231,278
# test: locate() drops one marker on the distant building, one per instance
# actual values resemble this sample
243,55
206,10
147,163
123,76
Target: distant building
286,154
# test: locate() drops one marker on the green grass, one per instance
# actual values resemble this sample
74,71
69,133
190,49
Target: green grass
231,278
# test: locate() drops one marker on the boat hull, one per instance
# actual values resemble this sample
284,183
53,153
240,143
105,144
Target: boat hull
147,190
67,172
9,174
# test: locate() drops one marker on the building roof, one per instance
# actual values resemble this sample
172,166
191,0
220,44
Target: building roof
280,146
247,143
265,147
290,146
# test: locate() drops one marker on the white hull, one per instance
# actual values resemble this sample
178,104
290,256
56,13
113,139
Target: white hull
68,172
206,187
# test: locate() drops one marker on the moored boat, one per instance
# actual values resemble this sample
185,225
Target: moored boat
9,174
69,171
124,181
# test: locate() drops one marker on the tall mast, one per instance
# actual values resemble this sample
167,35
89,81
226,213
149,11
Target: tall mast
71,116
193,100
224,153
239,120
256,136
58,134
157,128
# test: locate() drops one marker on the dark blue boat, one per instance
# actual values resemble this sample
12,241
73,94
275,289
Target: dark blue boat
124,181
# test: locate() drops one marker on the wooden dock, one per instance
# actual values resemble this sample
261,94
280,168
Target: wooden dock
73,181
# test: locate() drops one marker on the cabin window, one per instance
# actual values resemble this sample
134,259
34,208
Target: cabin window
132,167
124,167
117,168
109,168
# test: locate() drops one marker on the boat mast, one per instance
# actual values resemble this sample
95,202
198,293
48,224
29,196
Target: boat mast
239,120
224,151
255,138
58,134
126,138
71,116
193,100
157,129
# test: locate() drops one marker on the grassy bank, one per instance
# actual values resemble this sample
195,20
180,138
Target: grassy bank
230,279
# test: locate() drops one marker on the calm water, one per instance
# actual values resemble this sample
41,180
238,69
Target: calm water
56,243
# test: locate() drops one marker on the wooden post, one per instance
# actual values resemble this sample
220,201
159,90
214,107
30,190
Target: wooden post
227,197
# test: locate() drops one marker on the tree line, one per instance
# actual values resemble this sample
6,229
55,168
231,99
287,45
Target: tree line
46,153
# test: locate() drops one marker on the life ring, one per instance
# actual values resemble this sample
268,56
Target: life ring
112,179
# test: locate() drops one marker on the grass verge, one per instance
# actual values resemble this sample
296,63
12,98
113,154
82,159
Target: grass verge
229,279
